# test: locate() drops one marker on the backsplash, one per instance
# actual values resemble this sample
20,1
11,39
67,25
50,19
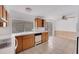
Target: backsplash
21,26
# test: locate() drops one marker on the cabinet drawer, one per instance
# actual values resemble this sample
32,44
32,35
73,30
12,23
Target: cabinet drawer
28,36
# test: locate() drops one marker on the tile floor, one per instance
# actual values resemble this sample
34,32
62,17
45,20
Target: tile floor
54,45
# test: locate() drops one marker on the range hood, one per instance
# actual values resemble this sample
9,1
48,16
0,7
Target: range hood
3,20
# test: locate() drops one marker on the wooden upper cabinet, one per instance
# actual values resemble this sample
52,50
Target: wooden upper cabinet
39,22
1,11
3,14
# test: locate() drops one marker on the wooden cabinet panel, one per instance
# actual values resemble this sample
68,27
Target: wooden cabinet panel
3,14
38,22
28,41
0,10
20,44
25,42
44,37
1,24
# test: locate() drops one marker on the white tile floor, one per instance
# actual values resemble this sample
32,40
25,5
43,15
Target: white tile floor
54,46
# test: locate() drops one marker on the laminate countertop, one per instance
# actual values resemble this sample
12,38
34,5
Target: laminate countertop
27,33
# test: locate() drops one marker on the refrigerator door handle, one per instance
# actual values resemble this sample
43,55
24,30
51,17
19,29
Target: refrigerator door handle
16,44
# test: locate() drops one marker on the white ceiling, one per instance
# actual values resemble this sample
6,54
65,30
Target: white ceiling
48,11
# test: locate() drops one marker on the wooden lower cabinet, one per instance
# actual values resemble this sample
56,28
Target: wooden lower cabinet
28,41
44,37
20,44
25,42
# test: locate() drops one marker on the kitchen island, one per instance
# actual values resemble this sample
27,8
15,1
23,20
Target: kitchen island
26,40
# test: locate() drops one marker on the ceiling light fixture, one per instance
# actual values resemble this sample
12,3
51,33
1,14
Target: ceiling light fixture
28,9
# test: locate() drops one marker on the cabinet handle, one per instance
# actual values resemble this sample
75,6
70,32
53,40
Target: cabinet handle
16,41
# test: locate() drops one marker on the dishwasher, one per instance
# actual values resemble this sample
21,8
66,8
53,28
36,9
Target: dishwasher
38,38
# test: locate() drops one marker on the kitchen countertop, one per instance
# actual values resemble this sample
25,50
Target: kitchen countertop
27,33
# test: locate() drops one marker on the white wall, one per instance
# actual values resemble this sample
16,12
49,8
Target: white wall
66,25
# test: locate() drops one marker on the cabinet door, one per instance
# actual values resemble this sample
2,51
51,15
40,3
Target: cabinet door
44,37
19,48
28,41
4,13
4,16
1,11
46,34
38,22
1,15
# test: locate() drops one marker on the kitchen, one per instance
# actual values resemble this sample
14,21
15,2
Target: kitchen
30,39
31,27
24,40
